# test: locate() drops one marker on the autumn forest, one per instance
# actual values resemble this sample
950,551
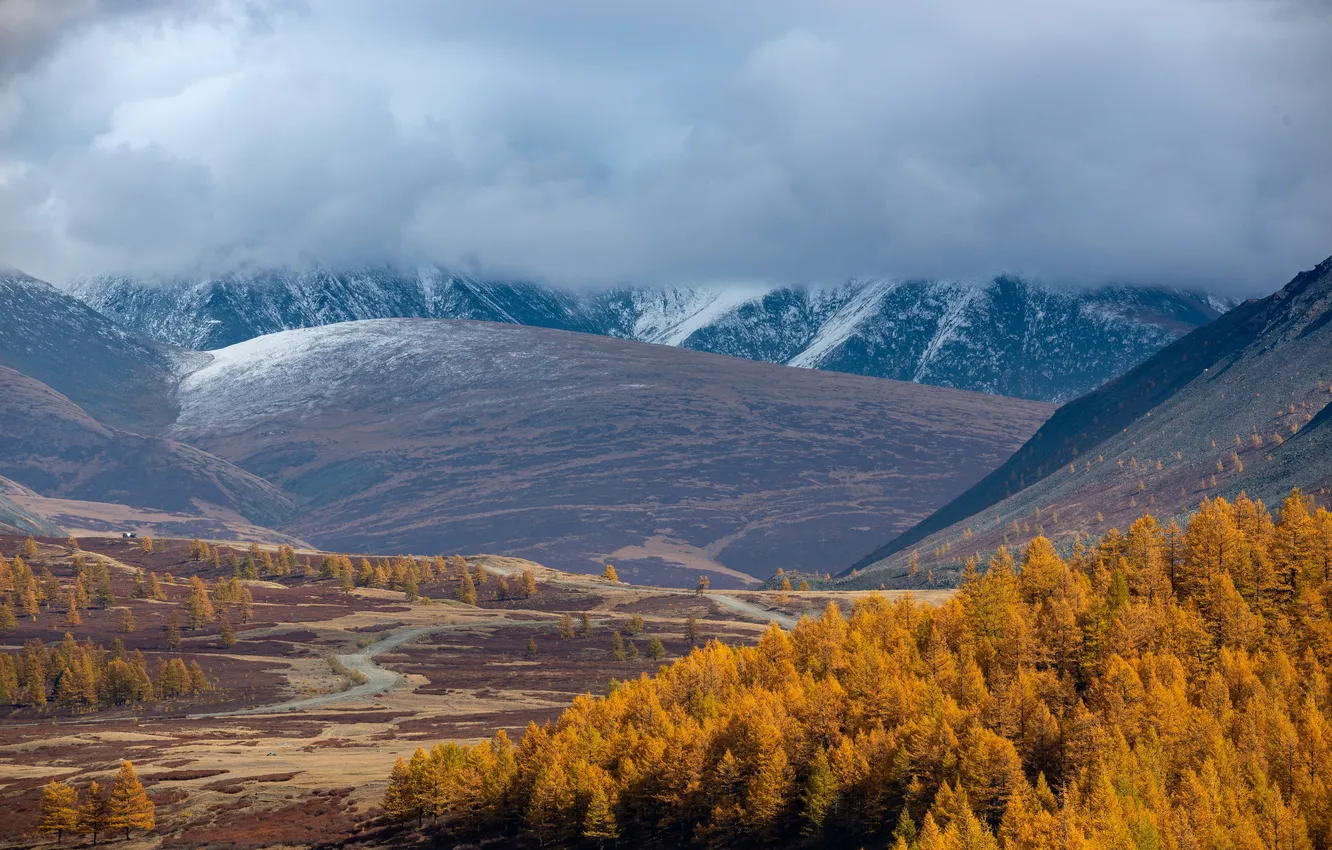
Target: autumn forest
1167,687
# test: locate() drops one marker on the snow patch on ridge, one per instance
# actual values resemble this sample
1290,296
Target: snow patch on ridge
950,326
308,367
670,319
843,324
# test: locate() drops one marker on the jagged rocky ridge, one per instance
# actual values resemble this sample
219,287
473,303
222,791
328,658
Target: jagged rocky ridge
1005,336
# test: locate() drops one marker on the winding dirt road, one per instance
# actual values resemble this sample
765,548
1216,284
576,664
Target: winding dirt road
378,680
749,609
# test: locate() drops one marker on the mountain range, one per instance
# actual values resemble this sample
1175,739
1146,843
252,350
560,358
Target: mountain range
1237,406
1004,336
436,436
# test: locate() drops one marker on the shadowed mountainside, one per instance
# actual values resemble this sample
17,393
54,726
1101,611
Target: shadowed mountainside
16,519
429,436
51,446
1237,405
120,379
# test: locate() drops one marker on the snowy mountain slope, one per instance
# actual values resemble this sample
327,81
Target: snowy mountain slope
1004,336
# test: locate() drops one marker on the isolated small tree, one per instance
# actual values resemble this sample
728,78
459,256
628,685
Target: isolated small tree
198,550
29,550
130,807
72,617
584,625
246,605
126,621
95,813
656,649
199,605
785,586
50,587
609,574
703,584
228,634
411,590
617,646
566,629
635,625
72,543
531,646
691,630
102,595
60,809
140,585
803,586
173,631
631,651
502,593
30,606
466,592
527,583
146,544
480,574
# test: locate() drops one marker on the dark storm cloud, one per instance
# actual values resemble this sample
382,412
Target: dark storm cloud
1175,141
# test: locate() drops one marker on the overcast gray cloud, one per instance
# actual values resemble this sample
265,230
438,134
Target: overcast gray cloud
594,141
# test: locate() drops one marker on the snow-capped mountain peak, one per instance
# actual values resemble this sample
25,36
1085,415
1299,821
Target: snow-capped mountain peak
1005,336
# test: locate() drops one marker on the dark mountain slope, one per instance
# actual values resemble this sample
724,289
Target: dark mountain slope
15,519
53,447
435,436
121,379
1241,401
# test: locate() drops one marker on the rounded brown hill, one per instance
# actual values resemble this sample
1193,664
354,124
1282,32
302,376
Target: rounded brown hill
425,436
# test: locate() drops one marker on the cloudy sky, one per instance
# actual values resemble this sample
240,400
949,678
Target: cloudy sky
1184,142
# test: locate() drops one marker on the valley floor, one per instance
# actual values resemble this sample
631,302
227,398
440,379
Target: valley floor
288,753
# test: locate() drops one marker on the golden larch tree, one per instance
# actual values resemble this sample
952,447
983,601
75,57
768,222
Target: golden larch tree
60,809
130,806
